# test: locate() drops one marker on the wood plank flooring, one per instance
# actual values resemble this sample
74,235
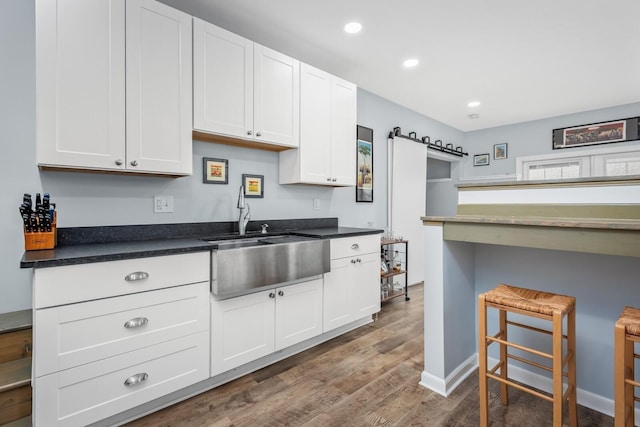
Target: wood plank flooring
368,377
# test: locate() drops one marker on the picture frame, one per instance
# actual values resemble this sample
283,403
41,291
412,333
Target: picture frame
481,159
253,185
215,171
612,131
364,164
500,151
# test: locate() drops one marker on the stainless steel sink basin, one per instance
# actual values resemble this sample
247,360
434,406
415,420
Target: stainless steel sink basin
256,263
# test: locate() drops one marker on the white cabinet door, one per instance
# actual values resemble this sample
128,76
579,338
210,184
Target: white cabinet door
276,97
86,53
298,313
327,152
80,83
337,308
365,286
222,81
242,330
159,117
315,125
343,132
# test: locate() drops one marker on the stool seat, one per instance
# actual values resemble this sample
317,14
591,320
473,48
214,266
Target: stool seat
530,300
630,319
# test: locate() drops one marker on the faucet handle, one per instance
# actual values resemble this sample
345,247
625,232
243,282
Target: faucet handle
264,228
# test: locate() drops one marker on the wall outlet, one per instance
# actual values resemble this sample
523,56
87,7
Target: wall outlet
370,224
316,204
162,204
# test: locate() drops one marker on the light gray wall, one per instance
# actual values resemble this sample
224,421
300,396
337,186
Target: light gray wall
533,138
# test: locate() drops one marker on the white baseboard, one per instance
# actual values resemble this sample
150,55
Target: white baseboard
448,385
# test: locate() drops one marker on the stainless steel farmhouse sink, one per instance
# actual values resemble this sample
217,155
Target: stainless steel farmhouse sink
241,266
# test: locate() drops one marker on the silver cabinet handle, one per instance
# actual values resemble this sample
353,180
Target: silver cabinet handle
136,322
249,132
136,275
134,163
334,179
259,134
353,261
328,179
358,260
281,293
355,246
136,379
119,162
272,295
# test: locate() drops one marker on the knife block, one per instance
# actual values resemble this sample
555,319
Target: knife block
41,239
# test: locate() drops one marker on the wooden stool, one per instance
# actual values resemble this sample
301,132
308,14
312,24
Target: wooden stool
542,305
627,332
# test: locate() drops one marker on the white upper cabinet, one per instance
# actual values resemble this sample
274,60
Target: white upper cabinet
242,89
327,152
95,112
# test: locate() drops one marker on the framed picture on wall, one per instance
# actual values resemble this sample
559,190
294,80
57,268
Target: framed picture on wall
253,185
364,165
481,159
215,171
500,151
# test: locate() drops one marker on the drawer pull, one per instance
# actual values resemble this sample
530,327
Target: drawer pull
137,275
355,246
136,379
136,323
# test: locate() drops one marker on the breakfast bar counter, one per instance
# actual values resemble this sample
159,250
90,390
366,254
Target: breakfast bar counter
579,238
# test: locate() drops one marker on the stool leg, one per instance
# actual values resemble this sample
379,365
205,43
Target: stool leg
571,368
482,362
504,390
557,369
624,404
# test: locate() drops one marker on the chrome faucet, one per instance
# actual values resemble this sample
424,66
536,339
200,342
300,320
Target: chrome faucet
245,213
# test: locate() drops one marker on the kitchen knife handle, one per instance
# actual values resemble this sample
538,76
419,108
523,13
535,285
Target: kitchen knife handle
136,379
136,322
136,275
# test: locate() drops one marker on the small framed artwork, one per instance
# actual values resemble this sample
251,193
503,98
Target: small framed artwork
500,151
481,159
597,133
215,171
253,185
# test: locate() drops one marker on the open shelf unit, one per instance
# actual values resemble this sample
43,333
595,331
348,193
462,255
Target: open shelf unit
394,256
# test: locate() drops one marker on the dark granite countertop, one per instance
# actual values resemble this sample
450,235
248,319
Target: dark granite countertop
98,244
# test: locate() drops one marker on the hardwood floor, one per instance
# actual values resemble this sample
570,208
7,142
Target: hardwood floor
368,377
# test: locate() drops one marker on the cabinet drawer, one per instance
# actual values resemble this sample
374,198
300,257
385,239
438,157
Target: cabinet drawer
76,334
83,282
356,245
92,392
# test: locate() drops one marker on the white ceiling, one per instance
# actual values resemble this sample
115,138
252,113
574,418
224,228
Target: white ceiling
523,60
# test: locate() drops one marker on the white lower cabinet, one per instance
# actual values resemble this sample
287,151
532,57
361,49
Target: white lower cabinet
246,328
102,355
351,289
89,393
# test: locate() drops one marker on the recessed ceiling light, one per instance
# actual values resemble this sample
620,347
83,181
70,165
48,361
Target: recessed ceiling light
410,63
353,27
473,104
